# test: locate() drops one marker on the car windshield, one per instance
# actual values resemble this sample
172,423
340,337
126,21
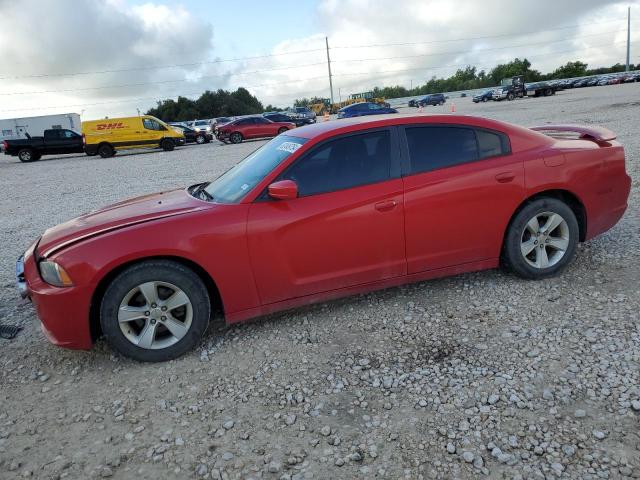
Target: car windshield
201,122
233,185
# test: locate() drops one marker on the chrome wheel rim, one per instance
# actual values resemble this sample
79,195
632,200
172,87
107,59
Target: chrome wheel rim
200,139
155,315
25,156
545,240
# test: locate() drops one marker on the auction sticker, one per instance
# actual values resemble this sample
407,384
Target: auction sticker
289,146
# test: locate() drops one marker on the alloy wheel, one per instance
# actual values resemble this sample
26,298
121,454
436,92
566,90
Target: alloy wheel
155,315
545,240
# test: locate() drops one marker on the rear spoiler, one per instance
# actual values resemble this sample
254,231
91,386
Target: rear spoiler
595,134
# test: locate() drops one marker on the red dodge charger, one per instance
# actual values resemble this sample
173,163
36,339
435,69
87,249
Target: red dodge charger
328,210
251,127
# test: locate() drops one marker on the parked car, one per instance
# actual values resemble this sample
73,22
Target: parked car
483,96
433,99
251,127
193,136
53,142
281,117
331,210
202,126
105,137
303,113
364,108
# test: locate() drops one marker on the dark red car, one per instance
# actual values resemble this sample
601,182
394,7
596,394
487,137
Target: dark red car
334,209
251,127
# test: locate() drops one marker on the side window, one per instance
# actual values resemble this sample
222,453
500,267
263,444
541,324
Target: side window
492,144
373,106
150,124
51,135
343,163
261,121
68,134
245,121
436,147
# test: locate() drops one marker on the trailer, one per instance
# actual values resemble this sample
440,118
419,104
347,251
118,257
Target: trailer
512,88
18,128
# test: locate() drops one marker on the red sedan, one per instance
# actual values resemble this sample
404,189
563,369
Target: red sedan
334,209
251,127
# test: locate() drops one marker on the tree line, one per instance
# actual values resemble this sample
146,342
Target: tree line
223,103
469,78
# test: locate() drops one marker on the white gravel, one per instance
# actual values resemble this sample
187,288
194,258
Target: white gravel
480,374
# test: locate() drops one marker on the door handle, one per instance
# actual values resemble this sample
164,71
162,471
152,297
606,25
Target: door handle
505,177
386,206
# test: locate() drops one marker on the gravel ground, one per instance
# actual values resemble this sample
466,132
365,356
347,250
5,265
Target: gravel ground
477,375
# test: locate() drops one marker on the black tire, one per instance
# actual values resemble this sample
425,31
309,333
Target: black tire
105,150
236,137
27,155
160,271
282,130
485,99
441,102
513,258
200,139
167,145
510,96
548,92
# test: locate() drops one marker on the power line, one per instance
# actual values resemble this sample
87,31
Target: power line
476,38
474,51
158,67
467,64
162,81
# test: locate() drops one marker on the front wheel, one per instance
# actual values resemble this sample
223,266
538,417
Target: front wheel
155,311
167,145
200,139
235,137
105,150
282,130
510,97
541,240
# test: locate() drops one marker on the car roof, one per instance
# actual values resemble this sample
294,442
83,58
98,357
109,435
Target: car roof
346,125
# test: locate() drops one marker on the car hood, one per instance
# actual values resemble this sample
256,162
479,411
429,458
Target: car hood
119,215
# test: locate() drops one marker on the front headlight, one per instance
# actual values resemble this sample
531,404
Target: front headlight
54,274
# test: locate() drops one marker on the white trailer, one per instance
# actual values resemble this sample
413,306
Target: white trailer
16,128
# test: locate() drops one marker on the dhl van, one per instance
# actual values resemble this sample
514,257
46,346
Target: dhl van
105,137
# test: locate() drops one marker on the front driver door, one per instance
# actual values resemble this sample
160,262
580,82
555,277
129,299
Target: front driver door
346,228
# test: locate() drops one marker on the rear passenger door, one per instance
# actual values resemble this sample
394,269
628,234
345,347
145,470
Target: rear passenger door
461,186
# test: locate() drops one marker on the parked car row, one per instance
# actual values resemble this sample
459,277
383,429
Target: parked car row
99,137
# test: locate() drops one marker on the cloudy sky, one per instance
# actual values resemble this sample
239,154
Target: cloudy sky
111,57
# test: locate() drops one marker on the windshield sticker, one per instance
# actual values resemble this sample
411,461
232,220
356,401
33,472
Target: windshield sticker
289,147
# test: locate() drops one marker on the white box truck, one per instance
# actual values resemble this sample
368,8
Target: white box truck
15,128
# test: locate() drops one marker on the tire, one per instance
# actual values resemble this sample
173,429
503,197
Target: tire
105,150
441,102
282,130
160,280
200,139
548,92
27,155
526,235
167,145
236,137
510,96
485,99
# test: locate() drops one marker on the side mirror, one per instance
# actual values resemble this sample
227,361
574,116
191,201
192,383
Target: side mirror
283,190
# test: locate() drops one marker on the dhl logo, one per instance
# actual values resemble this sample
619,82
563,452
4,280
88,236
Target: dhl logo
109,126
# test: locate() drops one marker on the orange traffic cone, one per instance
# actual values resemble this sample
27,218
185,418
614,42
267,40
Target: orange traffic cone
421,109
453,108
326,115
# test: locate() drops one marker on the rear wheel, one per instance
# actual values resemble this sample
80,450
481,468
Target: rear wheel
282,130
200,139
167,145
235,137
155,311
27,155
105,150
542,239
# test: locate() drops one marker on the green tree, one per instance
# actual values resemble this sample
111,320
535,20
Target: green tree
569,70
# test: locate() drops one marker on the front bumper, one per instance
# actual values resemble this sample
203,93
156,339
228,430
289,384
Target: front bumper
63,312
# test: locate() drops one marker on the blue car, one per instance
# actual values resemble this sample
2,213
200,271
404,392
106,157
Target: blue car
364,108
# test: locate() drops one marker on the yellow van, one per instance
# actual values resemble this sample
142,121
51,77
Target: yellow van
105,137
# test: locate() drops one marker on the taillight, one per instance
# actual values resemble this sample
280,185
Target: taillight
84,140
5,145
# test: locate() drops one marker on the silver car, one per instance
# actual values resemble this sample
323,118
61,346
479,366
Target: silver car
202,126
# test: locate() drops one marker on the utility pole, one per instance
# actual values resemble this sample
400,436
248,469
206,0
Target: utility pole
326,40
628,37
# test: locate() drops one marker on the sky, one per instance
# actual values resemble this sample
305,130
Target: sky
112,57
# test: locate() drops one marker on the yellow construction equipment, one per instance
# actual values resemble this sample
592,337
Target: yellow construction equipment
326,106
